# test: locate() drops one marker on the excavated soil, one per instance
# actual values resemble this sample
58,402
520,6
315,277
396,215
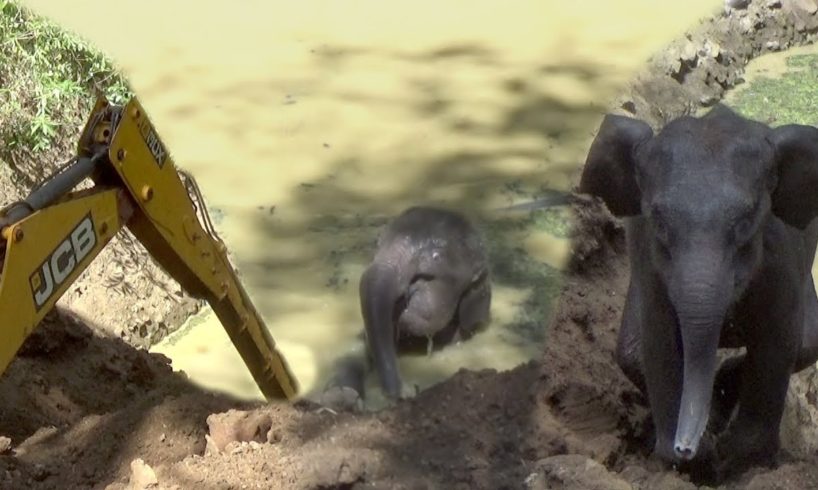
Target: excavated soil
82,409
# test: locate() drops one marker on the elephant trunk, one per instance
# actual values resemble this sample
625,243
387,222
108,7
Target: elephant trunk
701,303
697,387
379,289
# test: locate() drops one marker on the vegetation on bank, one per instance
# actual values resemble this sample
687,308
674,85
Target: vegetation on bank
782,98
49,80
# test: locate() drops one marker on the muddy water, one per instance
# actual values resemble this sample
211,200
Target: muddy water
308,123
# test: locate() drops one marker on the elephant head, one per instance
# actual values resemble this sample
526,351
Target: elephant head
429,276
395,301
706,188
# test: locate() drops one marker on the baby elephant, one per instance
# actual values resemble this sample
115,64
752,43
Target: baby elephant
721,242
429,281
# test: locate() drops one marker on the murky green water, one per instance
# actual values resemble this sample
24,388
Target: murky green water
526,252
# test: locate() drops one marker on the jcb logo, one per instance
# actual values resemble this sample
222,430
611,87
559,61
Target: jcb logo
62,261
152,141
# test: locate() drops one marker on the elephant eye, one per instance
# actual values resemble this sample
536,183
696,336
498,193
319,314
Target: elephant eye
744,229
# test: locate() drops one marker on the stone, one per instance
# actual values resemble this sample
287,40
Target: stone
808,6
799,424
237,426
689,52
142,476
5,445
573,472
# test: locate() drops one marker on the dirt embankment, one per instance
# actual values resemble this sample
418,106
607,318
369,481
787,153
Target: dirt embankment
123,293
81,410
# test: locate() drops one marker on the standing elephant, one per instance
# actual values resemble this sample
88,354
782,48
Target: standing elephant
719,221
429,282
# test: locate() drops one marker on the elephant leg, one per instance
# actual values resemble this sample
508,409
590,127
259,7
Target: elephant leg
752,437
629,342
728,379
474,310
345,389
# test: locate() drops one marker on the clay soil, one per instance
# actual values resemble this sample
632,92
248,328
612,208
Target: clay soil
82,409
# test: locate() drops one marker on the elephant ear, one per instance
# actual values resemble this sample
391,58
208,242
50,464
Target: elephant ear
795,196
610,168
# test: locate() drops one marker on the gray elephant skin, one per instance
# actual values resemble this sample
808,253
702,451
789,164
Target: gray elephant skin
428,284
718,213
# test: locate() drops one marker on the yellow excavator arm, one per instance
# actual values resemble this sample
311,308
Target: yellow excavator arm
49,238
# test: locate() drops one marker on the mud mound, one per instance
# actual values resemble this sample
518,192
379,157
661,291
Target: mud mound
77,407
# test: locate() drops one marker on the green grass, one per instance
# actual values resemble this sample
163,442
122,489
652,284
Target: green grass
49,80
790,98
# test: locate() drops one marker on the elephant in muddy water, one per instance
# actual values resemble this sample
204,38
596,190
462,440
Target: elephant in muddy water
428,284
718,213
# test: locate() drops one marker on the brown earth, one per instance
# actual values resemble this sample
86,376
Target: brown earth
123,291
81,408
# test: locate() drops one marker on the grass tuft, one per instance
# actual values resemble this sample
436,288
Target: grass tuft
784,98
49,80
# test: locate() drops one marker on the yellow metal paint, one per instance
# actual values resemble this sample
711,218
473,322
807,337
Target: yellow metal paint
89,133
49,249
167,224
42,233
170,208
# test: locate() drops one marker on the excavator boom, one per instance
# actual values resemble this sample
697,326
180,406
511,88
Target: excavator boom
50,237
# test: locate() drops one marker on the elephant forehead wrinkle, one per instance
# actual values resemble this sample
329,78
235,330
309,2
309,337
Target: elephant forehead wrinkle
705,204
706,177
700,143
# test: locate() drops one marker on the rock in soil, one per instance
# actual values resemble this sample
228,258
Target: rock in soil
142,476
235,426
5,445
573,472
